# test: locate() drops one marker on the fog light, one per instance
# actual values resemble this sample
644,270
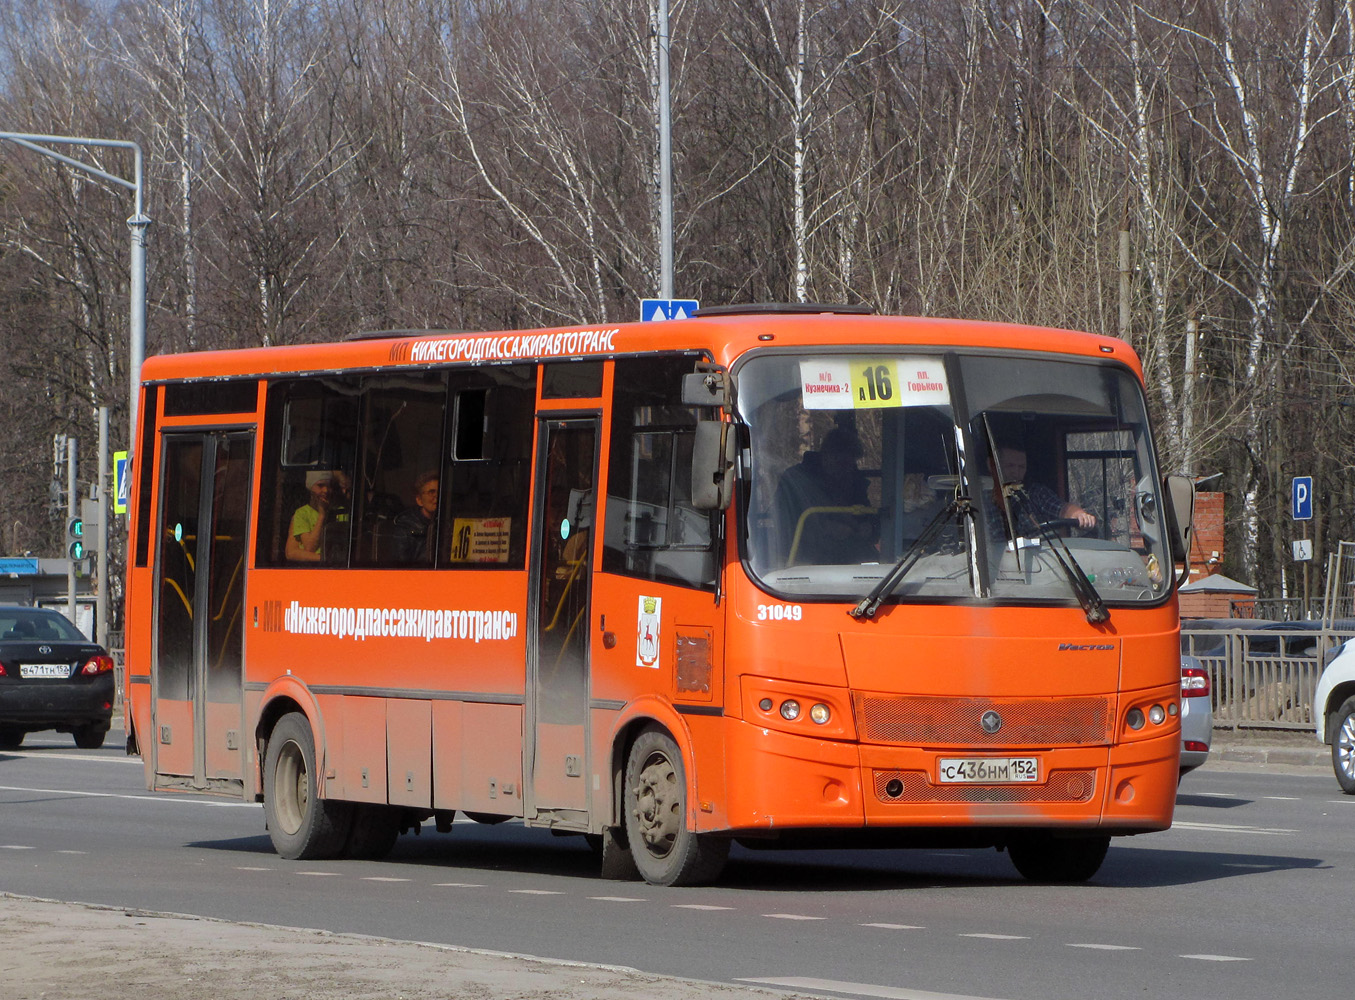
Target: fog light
765,704
820,714
1172,709
1156,714
1134,718
790,710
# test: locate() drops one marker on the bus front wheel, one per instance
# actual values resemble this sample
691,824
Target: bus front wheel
302,825
664,849
1043,858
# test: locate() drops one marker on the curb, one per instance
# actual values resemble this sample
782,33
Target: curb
1273,755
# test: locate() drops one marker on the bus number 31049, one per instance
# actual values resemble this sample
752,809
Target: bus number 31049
779,612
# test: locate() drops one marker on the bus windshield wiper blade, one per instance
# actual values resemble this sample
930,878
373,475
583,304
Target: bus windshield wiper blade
870,604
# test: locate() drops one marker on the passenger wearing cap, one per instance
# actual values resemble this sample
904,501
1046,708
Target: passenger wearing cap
308,523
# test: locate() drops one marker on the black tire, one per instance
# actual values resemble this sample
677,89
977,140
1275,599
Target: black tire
614,854
89,737
302,825
374,832
11,739
486,819
664,849
1343,745
1043,858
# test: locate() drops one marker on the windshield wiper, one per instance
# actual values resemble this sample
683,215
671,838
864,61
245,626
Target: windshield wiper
870,604
1083,588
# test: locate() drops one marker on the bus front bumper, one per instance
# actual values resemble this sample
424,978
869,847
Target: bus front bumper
777,781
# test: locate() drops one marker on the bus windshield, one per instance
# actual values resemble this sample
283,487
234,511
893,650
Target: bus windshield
1011,478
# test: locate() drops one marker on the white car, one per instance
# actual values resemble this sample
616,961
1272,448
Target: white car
1197,714
1334,712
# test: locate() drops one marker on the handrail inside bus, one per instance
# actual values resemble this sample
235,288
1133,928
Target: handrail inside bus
856,511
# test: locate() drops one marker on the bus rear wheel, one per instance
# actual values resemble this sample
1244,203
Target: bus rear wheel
1041,857
301,825
375,830
664,849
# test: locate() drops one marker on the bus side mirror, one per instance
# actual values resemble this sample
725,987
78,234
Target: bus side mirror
1180,493
707,388
713,454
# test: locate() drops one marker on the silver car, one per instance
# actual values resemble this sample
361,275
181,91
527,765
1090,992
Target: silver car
1197,713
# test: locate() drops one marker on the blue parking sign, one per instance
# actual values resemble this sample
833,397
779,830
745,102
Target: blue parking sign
1301,498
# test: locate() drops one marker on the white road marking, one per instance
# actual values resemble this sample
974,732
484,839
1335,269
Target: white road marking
1282,798
55,754
860,989
699,906
72,852
16,847
998,937
325,874
459,885
1104,947
537,892
617,899
175,799
1217,958
897,927
382,878
247,868
790,916
1266,831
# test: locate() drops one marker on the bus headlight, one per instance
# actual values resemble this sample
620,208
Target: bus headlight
820,714
1156,714
790,710
1134,718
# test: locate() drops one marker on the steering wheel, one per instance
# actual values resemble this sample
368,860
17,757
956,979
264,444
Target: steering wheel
1059,523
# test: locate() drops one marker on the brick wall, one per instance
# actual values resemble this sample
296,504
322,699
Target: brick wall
1206,549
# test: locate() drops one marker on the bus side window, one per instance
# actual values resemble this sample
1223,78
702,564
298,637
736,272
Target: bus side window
310,428
651,529
487,467
401,442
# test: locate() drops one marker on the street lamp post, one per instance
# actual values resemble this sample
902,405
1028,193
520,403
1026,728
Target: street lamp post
138,224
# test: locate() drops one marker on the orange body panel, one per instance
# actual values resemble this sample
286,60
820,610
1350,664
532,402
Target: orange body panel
416,681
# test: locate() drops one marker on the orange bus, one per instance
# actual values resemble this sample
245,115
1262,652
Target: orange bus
782,575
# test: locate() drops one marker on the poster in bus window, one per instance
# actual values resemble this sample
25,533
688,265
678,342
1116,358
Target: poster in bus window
647,632
480,539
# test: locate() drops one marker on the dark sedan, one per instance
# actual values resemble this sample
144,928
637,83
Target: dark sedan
51,677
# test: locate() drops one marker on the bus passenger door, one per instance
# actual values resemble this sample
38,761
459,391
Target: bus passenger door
197,669
558,608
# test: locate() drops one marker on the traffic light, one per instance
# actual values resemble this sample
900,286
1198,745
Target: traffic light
75,527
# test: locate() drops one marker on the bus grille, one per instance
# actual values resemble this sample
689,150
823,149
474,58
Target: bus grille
919,720
1061,786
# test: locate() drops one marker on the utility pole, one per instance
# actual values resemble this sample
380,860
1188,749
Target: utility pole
665,162
72,513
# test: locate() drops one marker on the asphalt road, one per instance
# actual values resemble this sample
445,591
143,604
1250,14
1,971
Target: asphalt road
1241,899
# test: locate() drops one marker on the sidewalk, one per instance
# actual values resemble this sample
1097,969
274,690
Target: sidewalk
73,951
1284,747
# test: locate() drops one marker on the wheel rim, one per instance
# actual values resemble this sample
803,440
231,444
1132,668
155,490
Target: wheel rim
291,787
1344,746
658,805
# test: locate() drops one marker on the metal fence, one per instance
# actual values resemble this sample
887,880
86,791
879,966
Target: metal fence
1262,678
